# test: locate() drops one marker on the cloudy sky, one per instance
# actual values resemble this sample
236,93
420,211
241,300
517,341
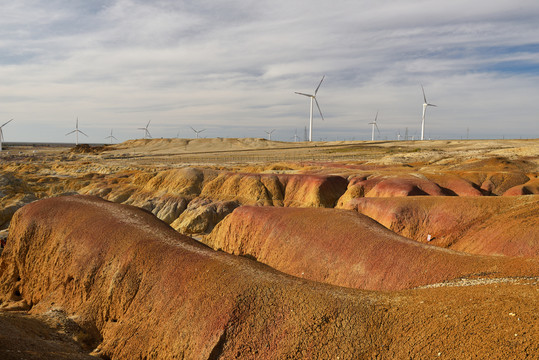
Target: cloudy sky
232,66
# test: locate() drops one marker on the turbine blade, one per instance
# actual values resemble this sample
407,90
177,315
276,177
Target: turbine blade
424,97
82,133
318,87
432,105
202,130
318,106
308,95
192,129
148,123
149,135
114,138
376,117
377,129
71,132
7,122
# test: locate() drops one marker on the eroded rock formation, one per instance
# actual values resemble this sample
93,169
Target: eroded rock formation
348,249
485,225
138,289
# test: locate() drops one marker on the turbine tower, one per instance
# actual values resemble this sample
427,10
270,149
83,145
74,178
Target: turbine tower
425,105
111,137
197,131
374,125
2,133
313,97
77,131
146,132
269,133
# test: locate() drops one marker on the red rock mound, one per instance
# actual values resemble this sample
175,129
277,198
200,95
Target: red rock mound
140,290
347,249
407,185
404,186
529,188
485,225
151,292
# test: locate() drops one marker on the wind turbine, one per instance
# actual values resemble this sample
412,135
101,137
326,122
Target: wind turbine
296,137
111,137
197,131
269,133
313,97
77,131
374,125
146,132
425,105
2,134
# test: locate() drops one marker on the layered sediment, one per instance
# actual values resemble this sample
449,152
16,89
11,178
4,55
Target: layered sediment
349,249
478,225
138,289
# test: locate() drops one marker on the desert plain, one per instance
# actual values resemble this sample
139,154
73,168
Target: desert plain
254,249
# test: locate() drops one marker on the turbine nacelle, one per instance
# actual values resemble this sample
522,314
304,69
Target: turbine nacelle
146,131
111,137
197,131
374,125
425,105
313,97
77,131
2,133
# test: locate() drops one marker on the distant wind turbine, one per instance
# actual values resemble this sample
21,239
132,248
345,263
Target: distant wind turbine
197,131
313,97
111,137
2,133
425,105
269,133
146,131
296,137
374,124
77,131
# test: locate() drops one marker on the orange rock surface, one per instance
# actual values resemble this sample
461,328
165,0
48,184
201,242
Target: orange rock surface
485,225
349,249
138,289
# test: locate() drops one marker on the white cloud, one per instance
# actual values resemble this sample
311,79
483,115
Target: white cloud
239,62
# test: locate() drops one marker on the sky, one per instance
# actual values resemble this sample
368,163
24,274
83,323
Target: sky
232,67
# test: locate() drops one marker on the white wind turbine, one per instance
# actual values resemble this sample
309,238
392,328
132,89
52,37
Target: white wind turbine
313,97
77,131
296,137
425,105
2,133
146,131
374,124
197,131
269,133
111,137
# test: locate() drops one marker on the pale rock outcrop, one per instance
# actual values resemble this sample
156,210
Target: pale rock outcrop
201,216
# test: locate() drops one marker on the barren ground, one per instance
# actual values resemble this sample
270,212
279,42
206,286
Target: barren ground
476,200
